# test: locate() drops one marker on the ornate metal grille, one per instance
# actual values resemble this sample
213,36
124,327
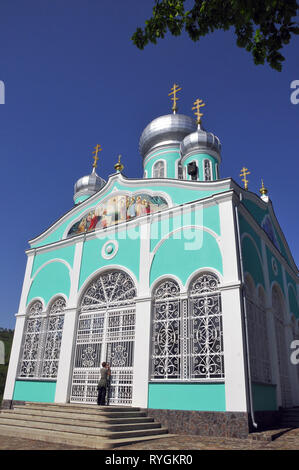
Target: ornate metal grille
166,353
106,332
206,335
285,386
42,340
187,342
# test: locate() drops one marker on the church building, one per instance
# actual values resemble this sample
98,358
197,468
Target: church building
182,280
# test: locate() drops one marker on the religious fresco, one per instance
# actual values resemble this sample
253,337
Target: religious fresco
118,209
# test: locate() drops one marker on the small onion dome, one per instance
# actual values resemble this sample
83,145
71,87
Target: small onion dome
165,130
202,141
88,185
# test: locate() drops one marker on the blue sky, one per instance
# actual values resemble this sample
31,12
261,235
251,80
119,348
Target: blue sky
74,79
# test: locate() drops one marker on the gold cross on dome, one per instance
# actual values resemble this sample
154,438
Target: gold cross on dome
96,158
244,173
173,92
198,104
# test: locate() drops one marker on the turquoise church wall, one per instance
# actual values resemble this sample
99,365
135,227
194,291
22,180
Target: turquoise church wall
187,396
251,261
193,248
36,391
54,278
206,217
272,276
65,254
127,255
264,397
259,214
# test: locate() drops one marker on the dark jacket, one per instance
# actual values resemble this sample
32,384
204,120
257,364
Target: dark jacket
103,379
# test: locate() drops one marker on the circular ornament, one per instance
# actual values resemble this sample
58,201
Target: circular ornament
109,249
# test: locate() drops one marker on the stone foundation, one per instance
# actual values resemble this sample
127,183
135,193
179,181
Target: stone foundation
212,423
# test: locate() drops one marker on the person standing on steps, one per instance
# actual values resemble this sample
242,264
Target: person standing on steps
102,385
108,382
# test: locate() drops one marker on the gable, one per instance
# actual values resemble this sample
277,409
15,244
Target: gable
123,199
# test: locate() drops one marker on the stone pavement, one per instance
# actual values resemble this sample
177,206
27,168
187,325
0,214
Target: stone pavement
288,440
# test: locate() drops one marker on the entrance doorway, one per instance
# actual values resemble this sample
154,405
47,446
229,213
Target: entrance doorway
105,332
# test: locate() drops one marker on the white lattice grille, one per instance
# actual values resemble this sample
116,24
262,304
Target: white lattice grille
106,332
42,341
187,338
166,353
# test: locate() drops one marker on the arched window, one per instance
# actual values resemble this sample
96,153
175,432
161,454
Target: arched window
33,328
283,360
41,341
159,169
207,170
187,337
257,333
166,350
206,334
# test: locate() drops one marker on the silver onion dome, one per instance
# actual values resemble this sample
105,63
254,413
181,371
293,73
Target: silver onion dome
201,141
165,130
88,185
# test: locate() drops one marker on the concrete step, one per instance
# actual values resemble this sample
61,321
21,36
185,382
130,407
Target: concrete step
91,418
64,424
80,406
107,412
92,442
82,425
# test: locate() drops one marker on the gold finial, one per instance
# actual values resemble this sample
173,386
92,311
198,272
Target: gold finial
97,150
244,173
119,166
198,104
173,92
263,190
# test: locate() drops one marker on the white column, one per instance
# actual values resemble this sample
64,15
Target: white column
143,323
234,355
64,375
18,333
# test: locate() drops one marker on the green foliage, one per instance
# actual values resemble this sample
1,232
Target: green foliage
262,27
6,336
